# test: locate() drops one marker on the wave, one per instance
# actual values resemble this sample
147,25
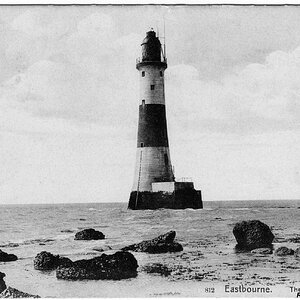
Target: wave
37,241
68,230
10,245
94,209
26,242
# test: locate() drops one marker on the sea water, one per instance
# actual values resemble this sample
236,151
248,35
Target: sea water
207,263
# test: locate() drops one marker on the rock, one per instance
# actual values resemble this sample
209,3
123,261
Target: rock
284,251
10,245
163,248
47,261
38,241
7,257
157,268
297,252
14,293
9,292
294,240
162,244
89,234
119,265
102,249
2,282
262,251
67,230
252,235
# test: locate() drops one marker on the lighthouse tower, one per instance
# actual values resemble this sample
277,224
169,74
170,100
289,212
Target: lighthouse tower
154,183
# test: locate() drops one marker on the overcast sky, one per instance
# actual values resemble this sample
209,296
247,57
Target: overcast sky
69,100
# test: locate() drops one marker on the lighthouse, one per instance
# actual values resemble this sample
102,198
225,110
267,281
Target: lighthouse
154,184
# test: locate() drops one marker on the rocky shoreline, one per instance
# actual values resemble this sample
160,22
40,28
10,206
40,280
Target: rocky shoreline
253,237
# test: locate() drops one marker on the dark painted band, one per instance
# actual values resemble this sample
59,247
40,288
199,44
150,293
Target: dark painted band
152,131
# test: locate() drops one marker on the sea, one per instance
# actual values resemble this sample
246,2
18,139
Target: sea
208,266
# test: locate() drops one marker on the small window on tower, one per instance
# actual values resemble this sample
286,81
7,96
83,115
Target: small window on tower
161,73
152,86
143,73
142,145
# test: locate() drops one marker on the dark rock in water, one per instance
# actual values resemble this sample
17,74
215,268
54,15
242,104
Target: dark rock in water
158,269
7,257
163,248
14,293
120,265
283,251
295,239
89,234
38,241
162,244
102,249
297,252
9,245
262,251
67,230
252,235
2,282
47,261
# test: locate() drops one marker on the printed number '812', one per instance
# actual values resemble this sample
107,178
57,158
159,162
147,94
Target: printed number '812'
209,290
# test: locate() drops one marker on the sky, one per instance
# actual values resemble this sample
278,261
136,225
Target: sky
69,100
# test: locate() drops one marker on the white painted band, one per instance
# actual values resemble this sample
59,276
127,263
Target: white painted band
153,76
153,164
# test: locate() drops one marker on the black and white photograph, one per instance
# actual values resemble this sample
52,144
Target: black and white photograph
149,150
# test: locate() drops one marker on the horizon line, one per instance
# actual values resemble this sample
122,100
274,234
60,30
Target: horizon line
51,203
